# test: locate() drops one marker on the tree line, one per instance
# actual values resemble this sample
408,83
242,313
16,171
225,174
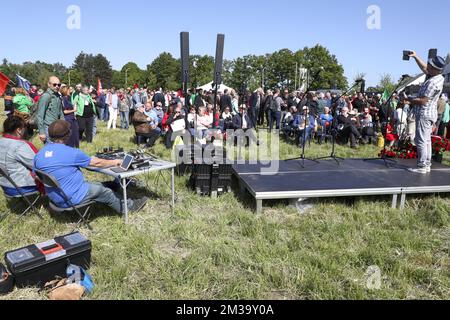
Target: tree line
279,69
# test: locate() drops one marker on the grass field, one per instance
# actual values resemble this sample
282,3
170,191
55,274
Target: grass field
218,249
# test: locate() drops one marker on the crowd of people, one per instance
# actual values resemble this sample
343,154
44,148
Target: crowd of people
63,116
357,118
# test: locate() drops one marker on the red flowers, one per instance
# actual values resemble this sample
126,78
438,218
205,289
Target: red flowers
440,145
407,151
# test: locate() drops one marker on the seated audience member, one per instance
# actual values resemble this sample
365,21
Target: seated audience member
348,128
17,158
288,122
391,136
65,163
167,115
191,120
175,116
204,123
401,118
302,122
227,119
159,114
242,121
151,114
367,126
143,128
325,121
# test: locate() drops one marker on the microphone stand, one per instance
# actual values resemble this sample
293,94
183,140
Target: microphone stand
333,155
384,157
307,123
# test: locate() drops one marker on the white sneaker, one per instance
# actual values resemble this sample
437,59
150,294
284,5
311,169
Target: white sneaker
418,170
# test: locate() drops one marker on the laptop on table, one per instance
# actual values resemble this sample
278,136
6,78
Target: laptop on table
125,166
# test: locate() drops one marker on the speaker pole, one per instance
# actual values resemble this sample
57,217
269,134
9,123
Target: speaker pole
218,72
184,39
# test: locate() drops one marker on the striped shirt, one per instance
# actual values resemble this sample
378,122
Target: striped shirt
432,90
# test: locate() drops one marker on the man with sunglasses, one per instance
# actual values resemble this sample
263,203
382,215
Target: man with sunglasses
50,108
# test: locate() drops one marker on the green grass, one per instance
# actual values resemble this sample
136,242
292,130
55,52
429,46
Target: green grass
219,249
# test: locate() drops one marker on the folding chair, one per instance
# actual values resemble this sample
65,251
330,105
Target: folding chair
51,182
30,198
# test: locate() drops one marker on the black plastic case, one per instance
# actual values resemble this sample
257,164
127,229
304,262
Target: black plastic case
38,264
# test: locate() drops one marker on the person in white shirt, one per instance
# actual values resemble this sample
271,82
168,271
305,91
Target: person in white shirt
112,100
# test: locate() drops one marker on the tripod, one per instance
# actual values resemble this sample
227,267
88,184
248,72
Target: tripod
384,157
334,130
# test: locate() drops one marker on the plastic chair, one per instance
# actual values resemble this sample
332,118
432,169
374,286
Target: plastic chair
51,182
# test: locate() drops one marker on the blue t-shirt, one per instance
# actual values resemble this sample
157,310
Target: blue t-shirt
64,163
153,115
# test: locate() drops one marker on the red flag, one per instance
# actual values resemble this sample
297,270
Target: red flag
99,87
4,80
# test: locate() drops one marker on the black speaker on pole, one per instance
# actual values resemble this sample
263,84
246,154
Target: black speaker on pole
218,71
219,59
184,36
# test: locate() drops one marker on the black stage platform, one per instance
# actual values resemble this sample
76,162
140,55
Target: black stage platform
353,177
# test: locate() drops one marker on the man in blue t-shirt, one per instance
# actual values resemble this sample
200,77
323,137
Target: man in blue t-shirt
64,164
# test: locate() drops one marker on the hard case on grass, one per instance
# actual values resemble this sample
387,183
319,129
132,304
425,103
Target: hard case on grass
37,264
211,179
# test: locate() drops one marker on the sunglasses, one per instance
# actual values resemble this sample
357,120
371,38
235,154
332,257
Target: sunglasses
56,85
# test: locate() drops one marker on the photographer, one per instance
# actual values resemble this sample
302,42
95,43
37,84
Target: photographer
425,106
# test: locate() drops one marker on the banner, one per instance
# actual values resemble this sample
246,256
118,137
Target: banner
4,80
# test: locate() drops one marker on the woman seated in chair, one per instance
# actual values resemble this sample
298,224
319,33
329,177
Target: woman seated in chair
17,159
325,122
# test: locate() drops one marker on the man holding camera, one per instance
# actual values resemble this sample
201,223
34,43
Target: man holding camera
425,106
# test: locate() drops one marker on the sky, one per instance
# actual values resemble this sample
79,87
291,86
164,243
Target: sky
139,30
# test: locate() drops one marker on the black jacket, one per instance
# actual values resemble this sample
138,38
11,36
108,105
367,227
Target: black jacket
198,102
237,122
225,101
159,97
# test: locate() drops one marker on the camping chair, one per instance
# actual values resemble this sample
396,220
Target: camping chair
50,182
30,198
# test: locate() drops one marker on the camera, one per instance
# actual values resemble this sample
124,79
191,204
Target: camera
406,54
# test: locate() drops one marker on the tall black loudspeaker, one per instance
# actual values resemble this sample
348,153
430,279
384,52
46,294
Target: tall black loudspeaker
219,59
184,36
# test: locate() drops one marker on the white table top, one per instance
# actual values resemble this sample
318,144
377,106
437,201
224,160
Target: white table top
156,165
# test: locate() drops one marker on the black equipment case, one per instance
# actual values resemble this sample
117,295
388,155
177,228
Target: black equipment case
38,264
212,179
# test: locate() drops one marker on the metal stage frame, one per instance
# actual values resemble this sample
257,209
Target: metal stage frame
370,179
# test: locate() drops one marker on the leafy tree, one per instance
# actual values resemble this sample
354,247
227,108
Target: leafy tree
386,83
94,67
333,73
166,70
73,77
281,71
117,79
201,70
132,74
